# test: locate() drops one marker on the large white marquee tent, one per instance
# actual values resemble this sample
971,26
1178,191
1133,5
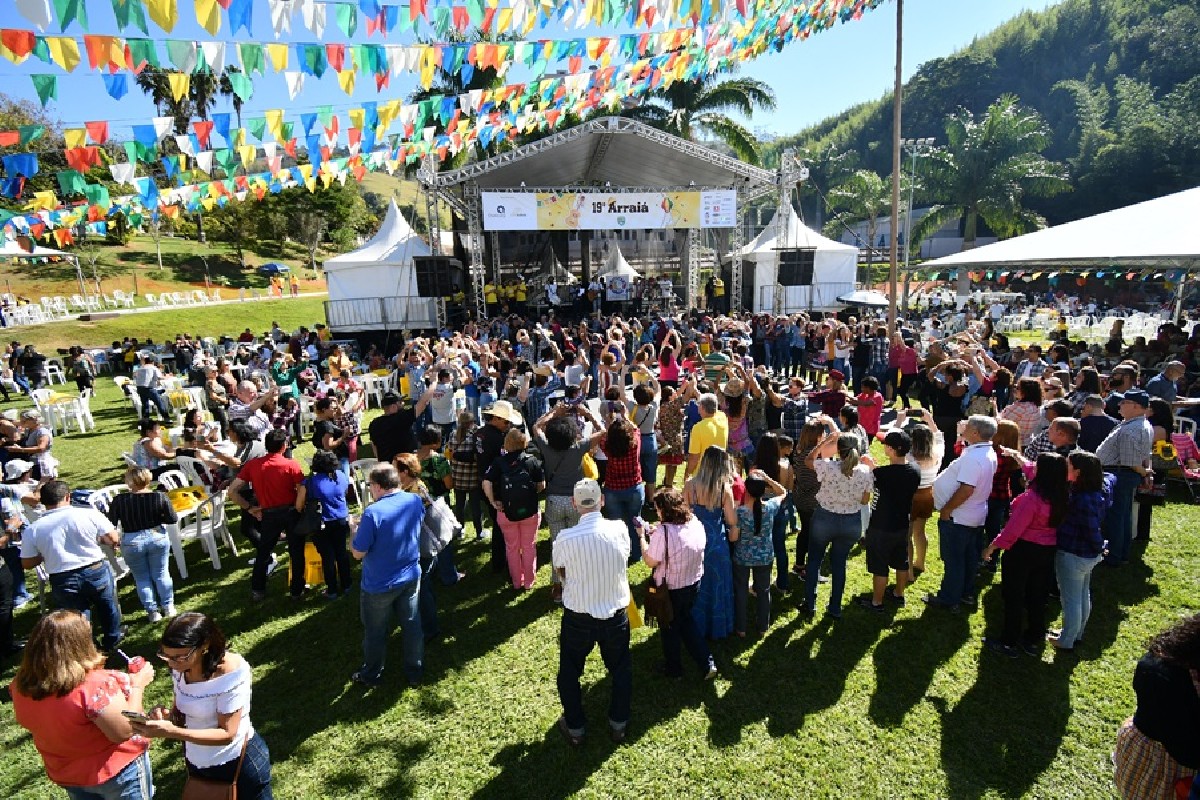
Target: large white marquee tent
380,272
834,266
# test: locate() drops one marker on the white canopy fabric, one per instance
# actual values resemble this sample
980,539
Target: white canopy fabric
616,265
1157,233
834,266
375,287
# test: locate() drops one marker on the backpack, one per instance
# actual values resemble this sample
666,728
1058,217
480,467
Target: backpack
438,527
517,490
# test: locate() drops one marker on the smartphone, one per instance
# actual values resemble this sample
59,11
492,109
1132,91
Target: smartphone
135,715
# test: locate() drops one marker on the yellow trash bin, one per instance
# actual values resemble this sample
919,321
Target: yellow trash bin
313,573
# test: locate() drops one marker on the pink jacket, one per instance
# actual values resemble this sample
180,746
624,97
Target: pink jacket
1029,519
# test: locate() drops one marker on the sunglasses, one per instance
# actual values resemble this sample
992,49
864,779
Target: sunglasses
176,659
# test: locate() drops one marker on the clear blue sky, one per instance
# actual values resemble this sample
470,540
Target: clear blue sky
811,79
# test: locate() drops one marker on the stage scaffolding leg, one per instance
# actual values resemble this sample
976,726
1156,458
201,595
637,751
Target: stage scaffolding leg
440,307
495,258
735,248
692,267
475,247
428,175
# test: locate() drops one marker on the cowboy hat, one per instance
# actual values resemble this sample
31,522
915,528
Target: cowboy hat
543,369
504,410
734,387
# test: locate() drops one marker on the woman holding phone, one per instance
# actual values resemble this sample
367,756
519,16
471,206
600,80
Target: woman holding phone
211,713
78,712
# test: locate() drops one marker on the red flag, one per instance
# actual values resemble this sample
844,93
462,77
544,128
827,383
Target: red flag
416,8
336,54
9,138
289,147
489,14
19,42
98,131
203,129
382,80
82,158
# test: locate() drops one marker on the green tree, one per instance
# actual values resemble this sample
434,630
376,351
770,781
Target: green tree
864,196
691,108
828,165
989,166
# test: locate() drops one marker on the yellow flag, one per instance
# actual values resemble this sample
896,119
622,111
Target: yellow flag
75,137
63,51
504,20
165,13
179,82
214,191
278,53
208,16
311,183
208,203
11,56
327,179
274,118
306,171
346,80
239,137
247,153
357,116
387,113
43,201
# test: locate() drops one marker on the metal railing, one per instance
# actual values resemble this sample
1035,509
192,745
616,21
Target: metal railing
381,313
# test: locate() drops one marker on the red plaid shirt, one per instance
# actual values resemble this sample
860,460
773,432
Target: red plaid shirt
624,472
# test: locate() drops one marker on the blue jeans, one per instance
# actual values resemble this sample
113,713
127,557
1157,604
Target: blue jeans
254,781
625,505
1118,523
426,601
91,589
376,611
779,541
959,549
682,632
838,533
148,555
1074,575
12,557
579,633
648,458
134,782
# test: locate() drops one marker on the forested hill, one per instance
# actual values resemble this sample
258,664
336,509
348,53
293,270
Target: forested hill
1117,81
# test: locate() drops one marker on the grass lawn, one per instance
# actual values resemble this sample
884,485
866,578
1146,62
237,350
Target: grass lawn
871,706
229,318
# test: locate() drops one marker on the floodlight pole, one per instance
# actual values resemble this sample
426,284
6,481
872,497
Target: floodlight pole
897,102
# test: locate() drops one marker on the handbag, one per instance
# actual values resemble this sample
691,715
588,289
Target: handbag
309,521
587,465
659,610
208,789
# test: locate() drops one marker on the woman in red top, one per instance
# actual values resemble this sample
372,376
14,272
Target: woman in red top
73,709
624,493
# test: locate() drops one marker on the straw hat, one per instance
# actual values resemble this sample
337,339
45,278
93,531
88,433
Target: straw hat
504,410
734,387
543,369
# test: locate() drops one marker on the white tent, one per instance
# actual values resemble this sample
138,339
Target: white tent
11,248
834,266
1160,233
375,287
618,276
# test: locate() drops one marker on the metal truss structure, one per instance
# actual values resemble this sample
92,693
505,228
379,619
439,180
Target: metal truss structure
475,250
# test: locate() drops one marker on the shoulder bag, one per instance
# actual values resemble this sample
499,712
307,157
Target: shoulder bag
659,610
209,789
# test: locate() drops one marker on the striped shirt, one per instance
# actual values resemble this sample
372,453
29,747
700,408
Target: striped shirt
139,511
684,544
593,555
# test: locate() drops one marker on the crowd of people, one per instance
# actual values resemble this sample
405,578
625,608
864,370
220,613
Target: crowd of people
499,430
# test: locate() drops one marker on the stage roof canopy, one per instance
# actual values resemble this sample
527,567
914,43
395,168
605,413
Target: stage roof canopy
611,150
1157,233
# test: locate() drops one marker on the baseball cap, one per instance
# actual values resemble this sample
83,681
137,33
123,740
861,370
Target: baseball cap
587,494
837,375
1138,396
390,399
16,468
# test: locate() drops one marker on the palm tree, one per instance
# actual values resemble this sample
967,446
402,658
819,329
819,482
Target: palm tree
687,108
985,171
828,166
225,88
861,196
203,88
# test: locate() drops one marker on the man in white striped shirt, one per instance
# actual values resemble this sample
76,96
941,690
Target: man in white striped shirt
590,560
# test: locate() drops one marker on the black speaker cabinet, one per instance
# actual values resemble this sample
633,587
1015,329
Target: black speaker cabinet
796,266
438,276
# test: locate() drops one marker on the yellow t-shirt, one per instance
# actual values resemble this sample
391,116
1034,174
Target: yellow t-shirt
711,431
489,292
718,288
521,290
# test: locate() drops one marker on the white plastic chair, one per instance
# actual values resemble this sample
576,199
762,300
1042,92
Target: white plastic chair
1185,425
100,500
359,472
206,520
173,479
196,471
54,371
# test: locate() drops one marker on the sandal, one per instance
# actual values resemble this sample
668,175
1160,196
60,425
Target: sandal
572,739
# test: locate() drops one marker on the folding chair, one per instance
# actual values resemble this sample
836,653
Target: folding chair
1186,450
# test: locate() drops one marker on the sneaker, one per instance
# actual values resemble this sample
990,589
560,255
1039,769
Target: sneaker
1031,649
869,604
932,600
891,596
711,674
257,597
833,613
169,611
484,535
153,616
997,646
329,595
361,677
273,566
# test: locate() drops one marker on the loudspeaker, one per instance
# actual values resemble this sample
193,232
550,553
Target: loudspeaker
796,266
438,276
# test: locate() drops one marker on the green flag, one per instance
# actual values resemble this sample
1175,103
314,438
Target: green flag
257,126
325,114
71,182
142,51
252,58
129,12
28,134
226,159
70,10
97,195
46,87
243,87
347,18
285,131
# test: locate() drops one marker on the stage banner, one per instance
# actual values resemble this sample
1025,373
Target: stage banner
605,211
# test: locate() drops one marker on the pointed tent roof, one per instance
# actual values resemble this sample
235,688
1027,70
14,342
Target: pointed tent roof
1156,233
395,243
794,234
11,248
616,264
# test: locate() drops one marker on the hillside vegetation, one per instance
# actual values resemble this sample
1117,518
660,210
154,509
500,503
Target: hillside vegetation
1117,81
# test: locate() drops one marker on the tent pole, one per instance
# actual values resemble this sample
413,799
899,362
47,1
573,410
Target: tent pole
79,276
1183,276
897,102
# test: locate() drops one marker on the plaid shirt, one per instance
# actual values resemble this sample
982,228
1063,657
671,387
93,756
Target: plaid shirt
1128,445
625,472
1080,532
466,474
1040,444
880,349
537,402
1028,418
